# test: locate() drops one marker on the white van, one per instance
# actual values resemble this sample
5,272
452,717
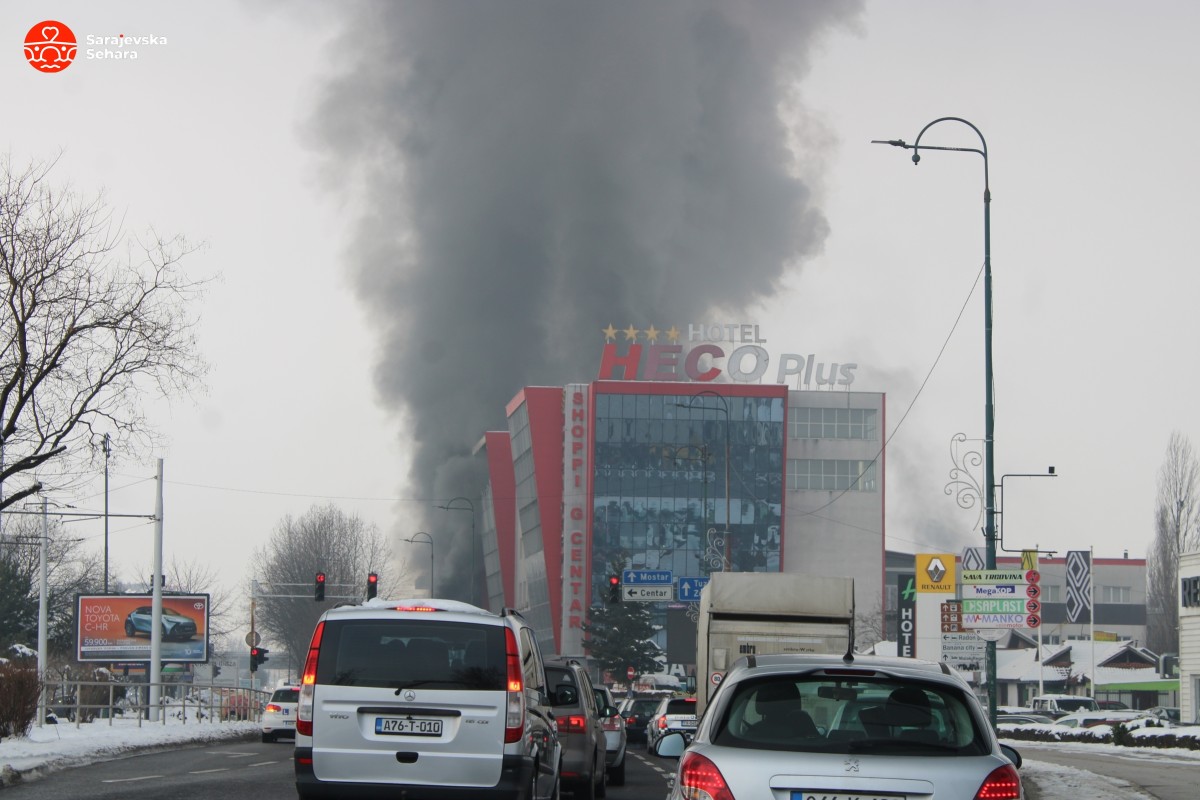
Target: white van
1058,705
425,699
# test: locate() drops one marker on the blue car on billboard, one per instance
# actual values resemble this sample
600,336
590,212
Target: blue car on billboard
174,624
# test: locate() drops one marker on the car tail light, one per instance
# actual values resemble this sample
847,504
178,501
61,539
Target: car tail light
417,608
514,718
575,723
308,685
611,723
662,723
1003,784
700,778
631,720
273,707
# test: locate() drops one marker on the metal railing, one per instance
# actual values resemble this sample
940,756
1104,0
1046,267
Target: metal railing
91,701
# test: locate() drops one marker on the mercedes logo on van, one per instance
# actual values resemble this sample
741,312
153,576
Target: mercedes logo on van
410,695
936,570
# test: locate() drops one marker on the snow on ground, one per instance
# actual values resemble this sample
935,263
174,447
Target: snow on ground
64,745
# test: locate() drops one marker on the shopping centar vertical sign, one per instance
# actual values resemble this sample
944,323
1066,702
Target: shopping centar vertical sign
706,352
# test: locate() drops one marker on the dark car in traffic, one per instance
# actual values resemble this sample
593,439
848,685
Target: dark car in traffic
637,712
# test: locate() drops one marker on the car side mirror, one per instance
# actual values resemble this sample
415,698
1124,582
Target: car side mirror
689,684
1011,754
670,746
610,711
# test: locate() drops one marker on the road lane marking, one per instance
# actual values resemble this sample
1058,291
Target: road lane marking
262,763
203,771
128,780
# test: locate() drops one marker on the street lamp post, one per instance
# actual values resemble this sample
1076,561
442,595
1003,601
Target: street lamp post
728,564
989,462
429,541
449,506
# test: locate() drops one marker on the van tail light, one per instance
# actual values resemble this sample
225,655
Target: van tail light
308,685
1003,784
514,717
699,777
575,723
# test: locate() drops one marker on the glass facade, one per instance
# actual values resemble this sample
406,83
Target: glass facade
659,483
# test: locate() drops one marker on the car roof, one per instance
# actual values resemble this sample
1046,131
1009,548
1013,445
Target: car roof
446,610
805,662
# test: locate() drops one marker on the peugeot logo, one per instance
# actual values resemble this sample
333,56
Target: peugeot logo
936,570
851,765
410,695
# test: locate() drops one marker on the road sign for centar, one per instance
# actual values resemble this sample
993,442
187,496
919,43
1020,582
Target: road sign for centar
647,577
647,593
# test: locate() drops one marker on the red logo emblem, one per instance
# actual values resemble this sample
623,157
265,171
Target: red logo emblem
50,46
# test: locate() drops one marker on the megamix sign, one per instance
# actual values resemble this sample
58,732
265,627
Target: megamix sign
700,354
118,627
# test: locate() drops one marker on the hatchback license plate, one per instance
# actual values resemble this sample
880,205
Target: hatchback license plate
688,723
844,796
408,726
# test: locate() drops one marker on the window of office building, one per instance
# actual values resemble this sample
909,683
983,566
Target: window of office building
660,490
1116,594
831,474
832,423
1051,593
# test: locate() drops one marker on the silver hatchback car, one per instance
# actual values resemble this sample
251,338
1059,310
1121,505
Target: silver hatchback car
820,726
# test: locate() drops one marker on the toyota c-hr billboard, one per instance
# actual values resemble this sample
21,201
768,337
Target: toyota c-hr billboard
118,627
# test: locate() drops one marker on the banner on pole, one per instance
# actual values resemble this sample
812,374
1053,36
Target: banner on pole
1079,586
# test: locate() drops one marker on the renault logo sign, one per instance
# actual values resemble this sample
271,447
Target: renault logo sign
935,572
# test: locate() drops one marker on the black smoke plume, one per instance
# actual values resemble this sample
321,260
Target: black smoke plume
530,171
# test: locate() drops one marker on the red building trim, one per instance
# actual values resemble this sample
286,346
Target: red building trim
504,509
545,408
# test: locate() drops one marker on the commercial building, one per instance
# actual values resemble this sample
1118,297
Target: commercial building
1189,636
678,479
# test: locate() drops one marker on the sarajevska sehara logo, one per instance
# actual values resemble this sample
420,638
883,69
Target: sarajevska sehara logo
50,46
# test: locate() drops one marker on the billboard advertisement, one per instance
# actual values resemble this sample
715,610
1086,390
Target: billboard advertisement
117,627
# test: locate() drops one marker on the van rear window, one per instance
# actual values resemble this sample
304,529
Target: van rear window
407,653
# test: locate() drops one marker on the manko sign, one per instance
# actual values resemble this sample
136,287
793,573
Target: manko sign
117,627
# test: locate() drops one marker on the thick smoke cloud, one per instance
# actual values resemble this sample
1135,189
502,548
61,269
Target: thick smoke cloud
532,171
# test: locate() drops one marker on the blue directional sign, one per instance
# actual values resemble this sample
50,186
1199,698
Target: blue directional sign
647,577
689,588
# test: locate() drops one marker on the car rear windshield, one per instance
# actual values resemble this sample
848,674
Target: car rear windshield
850,716
1077,704
408,653
681,706
286,696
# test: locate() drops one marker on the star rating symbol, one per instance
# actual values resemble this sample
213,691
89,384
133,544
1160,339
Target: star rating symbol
610,333
630,333
673,335
652,334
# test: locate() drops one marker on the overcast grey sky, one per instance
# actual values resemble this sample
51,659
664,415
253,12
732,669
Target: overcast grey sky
241,130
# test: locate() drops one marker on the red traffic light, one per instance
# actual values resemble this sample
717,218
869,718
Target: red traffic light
372,585
320,577
613,580
372,578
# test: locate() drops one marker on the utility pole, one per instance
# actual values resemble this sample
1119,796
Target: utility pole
107,450
156,615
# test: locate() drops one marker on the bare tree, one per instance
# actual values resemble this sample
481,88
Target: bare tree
92,320
70,569
1176,514
191,577
325,539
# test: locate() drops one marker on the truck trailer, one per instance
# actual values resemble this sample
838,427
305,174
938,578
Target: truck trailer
760,613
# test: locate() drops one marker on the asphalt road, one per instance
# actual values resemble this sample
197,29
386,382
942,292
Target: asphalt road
244,769
1151,770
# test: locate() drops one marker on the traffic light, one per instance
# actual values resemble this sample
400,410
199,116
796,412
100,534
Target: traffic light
319,587
254,659
614,588
216,670
372,585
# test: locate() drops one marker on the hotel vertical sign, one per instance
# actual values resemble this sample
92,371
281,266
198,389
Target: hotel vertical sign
576,590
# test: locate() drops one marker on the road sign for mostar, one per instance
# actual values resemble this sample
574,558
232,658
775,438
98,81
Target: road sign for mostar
646,577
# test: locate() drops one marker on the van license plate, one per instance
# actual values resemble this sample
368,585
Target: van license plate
408,726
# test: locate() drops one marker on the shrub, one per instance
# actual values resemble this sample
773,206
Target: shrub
19,690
